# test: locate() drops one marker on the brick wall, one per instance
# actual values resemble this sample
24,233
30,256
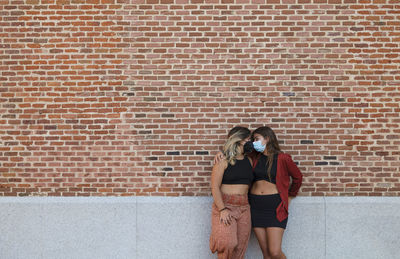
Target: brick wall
103,97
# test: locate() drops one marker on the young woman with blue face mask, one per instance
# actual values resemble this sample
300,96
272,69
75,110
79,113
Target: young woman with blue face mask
271,191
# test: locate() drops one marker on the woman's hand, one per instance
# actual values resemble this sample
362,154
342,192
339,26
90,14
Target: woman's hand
219,157
225,217
290,199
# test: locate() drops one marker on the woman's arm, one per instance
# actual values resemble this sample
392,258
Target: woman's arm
295,173
216,179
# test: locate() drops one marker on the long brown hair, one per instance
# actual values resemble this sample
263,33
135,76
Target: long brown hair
272,145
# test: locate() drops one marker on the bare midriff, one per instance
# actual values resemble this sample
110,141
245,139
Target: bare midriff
234,188
263,188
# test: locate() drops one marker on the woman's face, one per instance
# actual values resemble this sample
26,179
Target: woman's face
258,137
243,141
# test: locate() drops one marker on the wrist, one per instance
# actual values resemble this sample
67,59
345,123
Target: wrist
224,208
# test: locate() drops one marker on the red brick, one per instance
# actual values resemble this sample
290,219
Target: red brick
118,98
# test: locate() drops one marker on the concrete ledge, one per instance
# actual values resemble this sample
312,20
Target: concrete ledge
179,227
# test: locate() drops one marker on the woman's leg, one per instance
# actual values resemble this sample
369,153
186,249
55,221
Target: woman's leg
274,239
243,233
261,234
223,239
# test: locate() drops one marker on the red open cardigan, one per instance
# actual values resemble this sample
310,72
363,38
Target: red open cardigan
285,168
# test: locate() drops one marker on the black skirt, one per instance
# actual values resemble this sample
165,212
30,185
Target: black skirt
263,211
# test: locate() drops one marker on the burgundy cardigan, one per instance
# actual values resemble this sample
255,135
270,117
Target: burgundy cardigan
286,168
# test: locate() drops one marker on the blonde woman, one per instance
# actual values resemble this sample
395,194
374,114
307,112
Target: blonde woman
230,182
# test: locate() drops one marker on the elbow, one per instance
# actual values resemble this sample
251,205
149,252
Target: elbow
300,178
215,190
293,193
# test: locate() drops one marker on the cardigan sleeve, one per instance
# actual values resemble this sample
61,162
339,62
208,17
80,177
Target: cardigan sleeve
297,176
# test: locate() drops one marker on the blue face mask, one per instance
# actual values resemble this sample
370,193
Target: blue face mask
258,146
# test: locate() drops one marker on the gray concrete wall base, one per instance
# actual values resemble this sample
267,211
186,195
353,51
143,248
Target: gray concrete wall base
179,227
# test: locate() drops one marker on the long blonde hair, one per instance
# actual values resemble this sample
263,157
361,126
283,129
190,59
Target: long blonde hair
232,145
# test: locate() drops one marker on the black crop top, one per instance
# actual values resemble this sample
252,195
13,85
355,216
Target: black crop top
239,173
261,170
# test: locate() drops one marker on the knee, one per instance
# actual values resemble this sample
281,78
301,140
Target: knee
224,244
230,244
275,253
